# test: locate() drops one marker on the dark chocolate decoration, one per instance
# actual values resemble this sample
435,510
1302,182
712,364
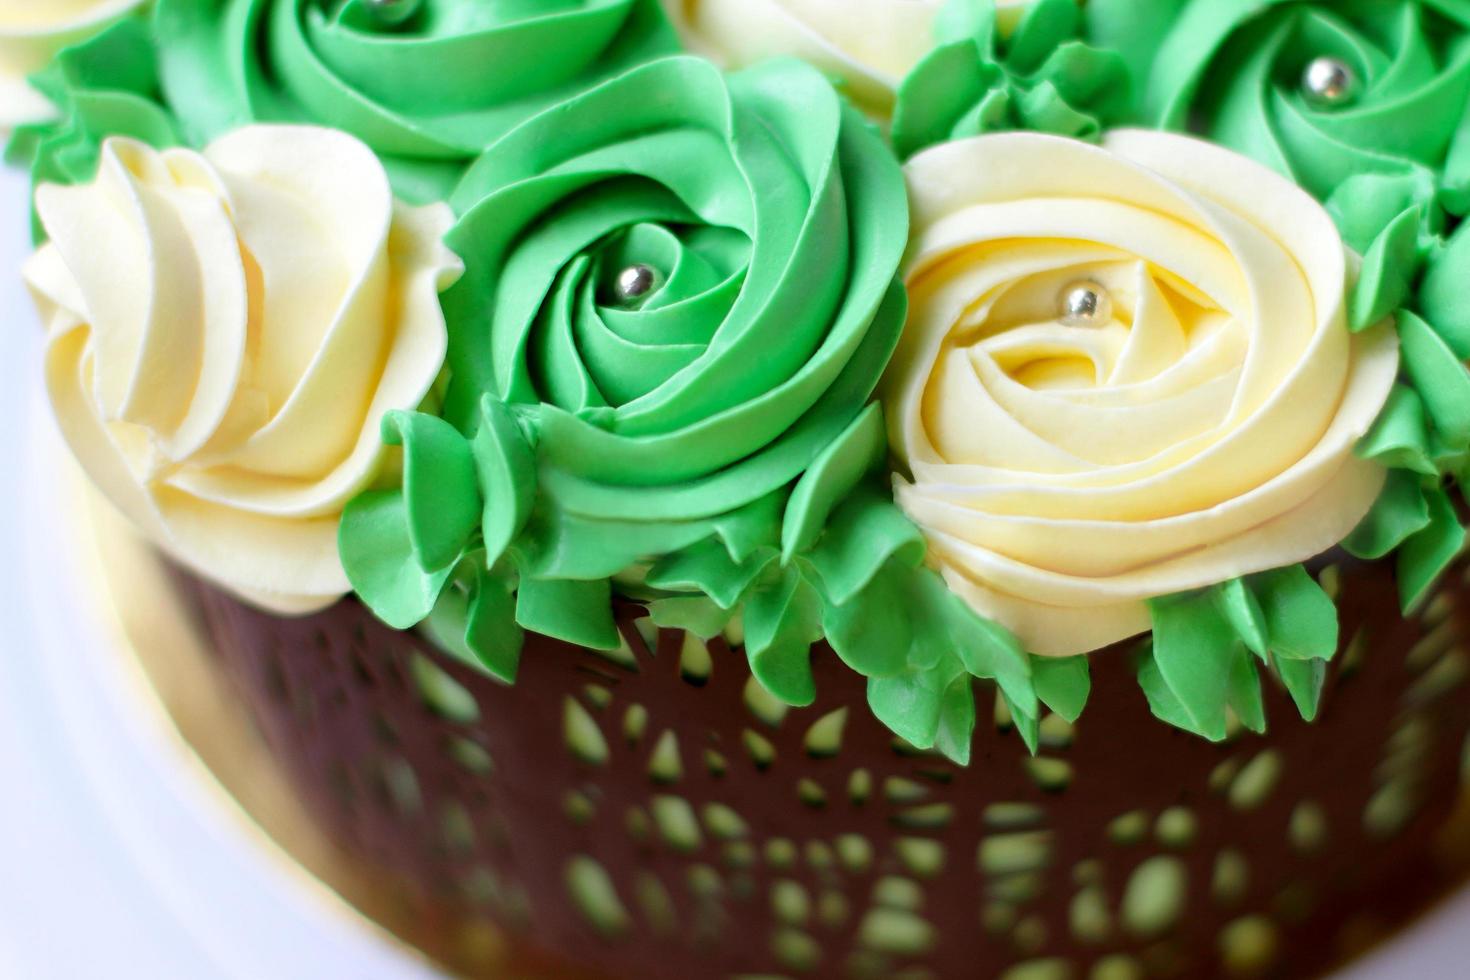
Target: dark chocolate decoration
648,820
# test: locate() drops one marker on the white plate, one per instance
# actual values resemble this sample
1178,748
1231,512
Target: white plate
117,861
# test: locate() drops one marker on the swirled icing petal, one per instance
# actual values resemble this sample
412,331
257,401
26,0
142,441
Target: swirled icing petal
775,231
428,94
1065,473
1236,70
227,331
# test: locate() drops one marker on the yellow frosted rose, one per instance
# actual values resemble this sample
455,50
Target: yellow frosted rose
1069,460
869,44
226,332
31,32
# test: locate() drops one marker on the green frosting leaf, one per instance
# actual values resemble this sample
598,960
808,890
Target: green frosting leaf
1040,78
381,562
832,476
694,613
506,470
443,506
1304,681
1242,610
782,621
1194,651
1300,618
1440,379
1245,694
1234,72
1443,298
428,91
1401,437
1063,684
1388,272
1400,512
574,612
491,631
474,621
106,86
1425,556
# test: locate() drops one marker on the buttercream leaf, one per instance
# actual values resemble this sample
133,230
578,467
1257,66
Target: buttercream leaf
956,732
1063,684
506,469
1301,619
988,650
381,562
909,704
782,621
1426,555
1164,703
833,475
708,568
1366,203
1242,610
1388,272
696,614
1442,294
440,494
1245,693
1045,110
866,532
1439,377
1304,681
490,631
876,630
1400,438
1400,512
1195,649
574,612
1039,78
1455,189
1044,25
105,86
929,112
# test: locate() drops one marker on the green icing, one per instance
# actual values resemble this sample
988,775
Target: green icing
428,84
1202,667
1233,70
709,446
107,86
1041,77
1063,684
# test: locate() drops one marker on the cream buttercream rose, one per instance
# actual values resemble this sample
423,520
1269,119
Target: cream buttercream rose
869,45
31,32
1127,373
227,331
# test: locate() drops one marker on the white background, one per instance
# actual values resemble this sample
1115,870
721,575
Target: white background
115,860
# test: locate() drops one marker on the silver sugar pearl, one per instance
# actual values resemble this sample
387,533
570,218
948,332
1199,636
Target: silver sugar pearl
635,282
1086,304
1328,81
392,13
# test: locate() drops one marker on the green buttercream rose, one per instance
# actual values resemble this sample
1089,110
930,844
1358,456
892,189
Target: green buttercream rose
1363,102
1039,77
428,84
681,294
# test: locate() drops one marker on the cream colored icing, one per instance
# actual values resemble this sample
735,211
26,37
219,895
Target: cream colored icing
1064,474
870,45
31,32
227,331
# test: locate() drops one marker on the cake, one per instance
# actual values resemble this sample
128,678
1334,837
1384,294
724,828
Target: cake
910,488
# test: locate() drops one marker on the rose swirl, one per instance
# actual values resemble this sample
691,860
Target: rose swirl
1127,374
